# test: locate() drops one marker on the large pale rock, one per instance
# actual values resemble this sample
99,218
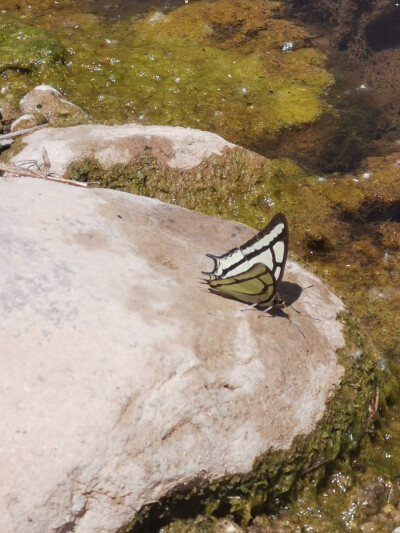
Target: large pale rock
122,378
172,146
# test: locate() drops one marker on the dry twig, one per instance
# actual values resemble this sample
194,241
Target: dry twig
43,172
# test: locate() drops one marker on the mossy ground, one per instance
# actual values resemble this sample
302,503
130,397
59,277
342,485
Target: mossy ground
25,48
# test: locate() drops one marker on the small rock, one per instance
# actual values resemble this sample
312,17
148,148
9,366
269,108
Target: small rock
223,525
393,496
50,103
395,517
388,509
382,519
29,120
369,527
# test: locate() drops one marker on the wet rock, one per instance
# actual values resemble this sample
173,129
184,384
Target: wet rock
368,500
29,120
395,517
369,527
223,525
52,105
120,375
262,524
111,145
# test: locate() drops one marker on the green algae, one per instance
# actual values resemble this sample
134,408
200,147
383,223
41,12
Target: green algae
216,66
26,48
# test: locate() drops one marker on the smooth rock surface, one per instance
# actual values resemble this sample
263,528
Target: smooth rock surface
122,378
173,146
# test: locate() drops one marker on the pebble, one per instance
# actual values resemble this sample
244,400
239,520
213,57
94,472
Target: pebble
369,527
223,525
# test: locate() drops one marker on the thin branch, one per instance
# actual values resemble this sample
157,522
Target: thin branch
21,132
18,171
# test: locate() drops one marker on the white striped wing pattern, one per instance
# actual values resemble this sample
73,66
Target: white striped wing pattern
252,272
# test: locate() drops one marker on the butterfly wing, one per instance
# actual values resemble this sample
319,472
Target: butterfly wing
239,268
255,286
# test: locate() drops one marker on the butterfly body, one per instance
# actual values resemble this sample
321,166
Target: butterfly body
252,272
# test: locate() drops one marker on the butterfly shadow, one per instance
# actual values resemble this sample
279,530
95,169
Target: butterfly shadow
289,293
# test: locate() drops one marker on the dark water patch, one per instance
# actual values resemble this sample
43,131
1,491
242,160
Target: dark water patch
384,31
355,26
340,140
374,211
123,9
362,43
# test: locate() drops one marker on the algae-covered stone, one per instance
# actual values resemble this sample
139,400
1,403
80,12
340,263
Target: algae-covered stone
25,47
52,106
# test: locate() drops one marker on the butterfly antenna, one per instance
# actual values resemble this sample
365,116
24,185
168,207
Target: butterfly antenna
215,259
298,329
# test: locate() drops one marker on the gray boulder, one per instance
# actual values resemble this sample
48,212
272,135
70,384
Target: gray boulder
122,378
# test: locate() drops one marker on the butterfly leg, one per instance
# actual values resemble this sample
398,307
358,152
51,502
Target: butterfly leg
267,309
251,307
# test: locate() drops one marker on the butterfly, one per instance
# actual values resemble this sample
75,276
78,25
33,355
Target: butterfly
252,272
